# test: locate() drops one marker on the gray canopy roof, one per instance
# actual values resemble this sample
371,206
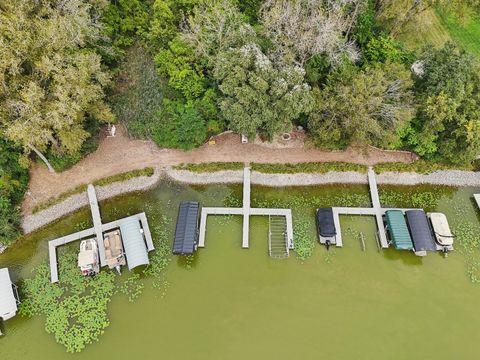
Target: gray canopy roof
134,243
186,232
8,303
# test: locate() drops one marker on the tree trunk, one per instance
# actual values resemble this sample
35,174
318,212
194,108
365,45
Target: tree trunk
41,156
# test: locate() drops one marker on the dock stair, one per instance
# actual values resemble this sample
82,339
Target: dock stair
277,237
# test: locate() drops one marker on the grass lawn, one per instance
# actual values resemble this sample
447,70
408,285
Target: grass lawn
426,29
465,35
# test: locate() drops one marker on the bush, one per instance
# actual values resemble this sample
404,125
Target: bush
13,184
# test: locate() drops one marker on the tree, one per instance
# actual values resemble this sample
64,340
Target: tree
50,80
300,29
367,106
448,121
257,95
216,26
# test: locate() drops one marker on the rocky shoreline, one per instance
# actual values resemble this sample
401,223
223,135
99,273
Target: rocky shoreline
33,222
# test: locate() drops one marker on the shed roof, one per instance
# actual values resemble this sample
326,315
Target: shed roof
398,230
325,222
8,303
134,243
420,230
186,232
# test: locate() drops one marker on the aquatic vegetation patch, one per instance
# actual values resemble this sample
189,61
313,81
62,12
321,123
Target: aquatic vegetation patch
75,308
406,197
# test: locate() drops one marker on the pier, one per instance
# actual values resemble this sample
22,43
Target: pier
246,211
376,210
96,231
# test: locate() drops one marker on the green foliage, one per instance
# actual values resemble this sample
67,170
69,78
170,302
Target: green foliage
125,21
183,127
308,167
138,98
447,125
367,106
383,48
256,94
13,184
51,77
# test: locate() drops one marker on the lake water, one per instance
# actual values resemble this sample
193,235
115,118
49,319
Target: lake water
234,303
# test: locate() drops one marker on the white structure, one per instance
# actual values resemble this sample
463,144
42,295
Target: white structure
8,296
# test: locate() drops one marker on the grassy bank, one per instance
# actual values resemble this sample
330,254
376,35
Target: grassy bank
309,167
102,182
210,167
467,34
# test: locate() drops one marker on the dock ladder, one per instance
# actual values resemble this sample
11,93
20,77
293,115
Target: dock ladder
277,237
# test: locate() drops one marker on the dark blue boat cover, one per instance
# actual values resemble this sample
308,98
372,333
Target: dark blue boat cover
325,223
186,232
420,230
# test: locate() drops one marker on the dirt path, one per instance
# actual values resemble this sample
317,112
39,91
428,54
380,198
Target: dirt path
120,154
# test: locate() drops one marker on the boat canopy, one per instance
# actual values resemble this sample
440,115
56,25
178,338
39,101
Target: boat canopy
325,222
8,301
186,232
420,230
133,243
398,230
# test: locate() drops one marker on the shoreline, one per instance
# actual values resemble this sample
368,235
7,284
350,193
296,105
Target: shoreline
456,178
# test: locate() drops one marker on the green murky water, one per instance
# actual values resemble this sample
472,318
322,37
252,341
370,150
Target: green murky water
233,303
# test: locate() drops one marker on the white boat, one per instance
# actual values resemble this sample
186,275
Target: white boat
441,230
88,258
114,255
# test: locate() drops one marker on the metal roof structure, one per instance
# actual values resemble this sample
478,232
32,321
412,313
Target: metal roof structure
8,301
325,222
186,232
420,230
133,243
398,230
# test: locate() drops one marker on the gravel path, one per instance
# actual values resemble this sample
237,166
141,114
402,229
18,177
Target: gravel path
122,154
33,222
449,177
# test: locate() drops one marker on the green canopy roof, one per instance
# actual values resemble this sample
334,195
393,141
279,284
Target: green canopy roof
398,230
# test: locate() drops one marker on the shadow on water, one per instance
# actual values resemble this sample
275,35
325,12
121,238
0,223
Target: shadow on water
407,257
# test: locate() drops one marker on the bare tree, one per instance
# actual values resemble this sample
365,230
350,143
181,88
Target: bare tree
301,29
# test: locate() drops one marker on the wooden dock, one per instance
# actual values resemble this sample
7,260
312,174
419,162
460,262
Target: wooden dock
246,211
96,231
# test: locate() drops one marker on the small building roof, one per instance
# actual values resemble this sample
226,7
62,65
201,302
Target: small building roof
133,243
420,230
8,302
186,232
325,222
398,230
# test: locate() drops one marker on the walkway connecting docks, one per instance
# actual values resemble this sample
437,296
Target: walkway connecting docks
376,210
136,237
246,211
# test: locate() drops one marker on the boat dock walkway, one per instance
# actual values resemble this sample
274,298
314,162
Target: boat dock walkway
97,231
376,210
246,211
477,199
